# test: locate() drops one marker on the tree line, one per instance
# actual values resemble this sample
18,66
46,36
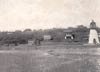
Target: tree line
22,37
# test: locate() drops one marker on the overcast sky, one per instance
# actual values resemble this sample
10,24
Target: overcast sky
37,14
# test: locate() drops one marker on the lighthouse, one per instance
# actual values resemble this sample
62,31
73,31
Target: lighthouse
93,35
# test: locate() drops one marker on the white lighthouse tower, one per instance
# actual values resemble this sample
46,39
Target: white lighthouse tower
93,35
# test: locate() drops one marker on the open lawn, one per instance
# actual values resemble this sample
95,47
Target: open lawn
49,58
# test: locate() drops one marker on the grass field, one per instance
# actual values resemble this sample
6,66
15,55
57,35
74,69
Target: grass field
49,58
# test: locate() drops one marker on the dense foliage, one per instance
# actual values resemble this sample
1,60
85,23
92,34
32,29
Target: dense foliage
22,37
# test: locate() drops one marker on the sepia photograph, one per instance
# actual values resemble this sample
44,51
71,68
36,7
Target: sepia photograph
49,35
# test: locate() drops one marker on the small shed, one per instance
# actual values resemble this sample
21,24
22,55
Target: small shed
47,37
30,42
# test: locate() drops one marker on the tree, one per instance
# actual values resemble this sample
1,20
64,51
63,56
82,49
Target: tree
27,30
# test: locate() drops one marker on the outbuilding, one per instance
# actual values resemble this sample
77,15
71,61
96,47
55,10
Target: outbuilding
47,37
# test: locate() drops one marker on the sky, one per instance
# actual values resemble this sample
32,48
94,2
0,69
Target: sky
44,14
